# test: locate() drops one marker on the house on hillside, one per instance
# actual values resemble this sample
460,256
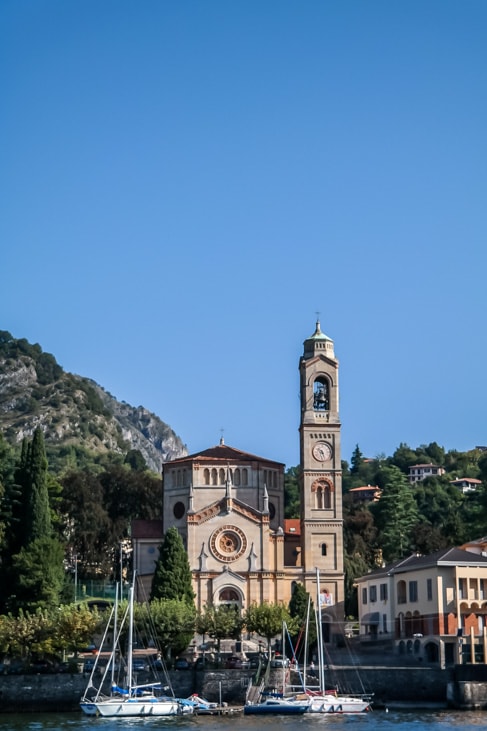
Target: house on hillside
365,494
419,472
466,484
425,605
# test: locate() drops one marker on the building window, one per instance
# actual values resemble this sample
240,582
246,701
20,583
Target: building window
236,478
245,476
384,623
364,595
373,593
222,476
462,588
383,592
401,592
214,476
206,476
323,549
413,591
429,589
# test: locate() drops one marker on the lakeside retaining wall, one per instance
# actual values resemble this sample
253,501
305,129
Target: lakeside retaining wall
34,693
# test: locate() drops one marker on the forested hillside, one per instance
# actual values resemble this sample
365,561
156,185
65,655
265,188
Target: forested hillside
422,517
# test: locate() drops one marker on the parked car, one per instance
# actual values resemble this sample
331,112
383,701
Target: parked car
234,662
181,664
12,667
201,663
41,666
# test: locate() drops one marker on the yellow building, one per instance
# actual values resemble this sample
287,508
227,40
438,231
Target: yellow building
228,506
427,606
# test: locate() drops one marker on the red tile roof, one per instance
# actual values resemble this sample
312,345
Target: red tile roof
223,453
292,526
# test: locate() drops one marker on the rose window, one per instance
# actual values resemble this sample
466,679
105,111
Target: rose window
228,543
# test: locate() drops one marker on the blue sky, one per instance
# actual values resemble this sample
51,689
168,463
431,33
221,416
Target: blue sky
184,184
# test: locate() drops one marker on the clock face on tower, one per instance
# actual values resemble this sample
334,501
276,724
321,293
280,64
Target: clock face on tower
322,452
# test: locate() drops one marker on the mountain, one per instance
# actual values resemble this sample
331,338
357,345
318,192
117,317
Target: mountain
73,411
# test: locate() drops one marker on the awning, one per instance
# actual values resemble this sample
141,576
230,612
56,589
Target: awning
371,618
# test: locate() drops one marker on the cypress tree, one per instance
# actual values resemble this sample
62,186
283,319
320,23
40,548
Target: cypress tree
33,563
172,577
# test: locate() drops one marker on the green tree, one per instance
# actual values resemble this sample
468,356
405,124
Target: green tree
267,621
75,626
356,461
39,575
220,623
34,516
403,457
292,501
33,560
396,514
172,576
173,621
135,460
87,528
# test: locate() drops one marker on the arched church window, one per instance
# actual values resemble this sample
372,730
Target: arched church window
206,476
322,492
173,479
321,395
222,476
184,476
323,549
214,476
245,476
179,478
236,478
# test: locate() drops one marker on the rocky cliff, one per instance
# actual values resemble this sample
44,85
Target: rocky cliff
73,410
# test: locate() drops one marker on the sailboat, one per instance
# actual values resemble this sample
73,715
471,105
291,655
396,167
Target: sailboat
329,701
130,699
274,702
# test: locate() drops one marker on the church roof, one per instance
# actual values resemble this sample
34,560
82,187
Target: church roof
223,453
147,529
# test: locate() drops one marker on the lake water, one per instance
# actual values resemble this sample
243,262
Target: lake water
393,720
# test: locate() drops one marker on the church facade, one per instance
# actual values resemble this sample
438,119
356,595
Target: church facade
228,506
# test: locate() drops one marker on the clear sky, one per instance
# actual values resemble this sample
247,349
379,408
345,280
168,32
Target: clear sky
185,183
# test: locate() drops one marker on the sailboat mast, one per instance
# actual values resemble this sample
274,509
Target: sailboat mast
319,627
130,640
115,633
306,641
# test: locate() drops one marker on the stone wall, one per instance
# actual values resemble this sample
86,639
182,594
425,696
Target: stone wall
63,692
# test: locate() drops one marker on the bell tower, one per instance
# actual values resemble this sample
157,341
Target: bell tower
321,475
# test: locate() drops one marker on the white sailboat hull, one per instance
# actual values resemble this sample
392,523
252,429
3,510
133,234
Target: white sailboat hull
128,707
329,703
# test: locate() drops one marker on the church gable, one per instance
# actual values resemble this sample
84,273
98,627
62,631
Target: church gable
219,508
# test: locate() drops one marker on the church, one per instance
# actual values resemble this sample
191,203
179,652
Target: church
228,506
